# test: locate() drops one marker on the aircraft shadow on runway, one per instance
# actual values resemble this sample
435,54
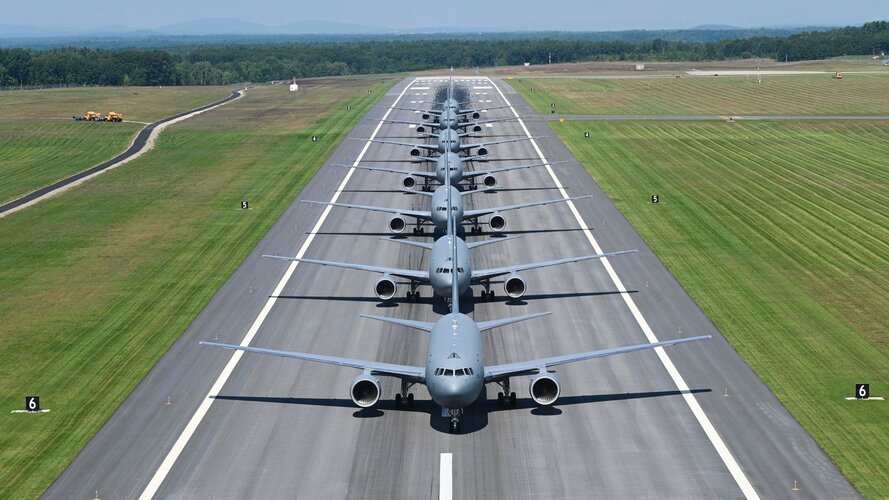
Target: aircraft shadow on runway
461,233
476,416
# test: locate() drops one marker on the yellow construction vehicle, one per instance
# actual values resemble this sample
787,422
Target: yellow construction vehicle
837,76
113,117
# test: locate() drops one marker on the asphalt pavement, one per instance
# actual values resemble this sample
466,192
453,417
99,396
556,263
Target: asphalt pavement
279,428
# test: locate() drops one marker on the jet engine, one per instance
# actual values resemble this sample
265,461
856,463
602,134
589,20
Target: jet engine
385,288
490,181
514,286
426,116
476,128
409,182
416,152
544,389
397,224
482,152
420,129
365,391
498,223
476,115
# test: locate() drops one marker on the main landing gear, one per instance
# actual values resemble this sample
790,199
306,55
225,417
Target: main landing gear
404,398
487,293
505,398
413,295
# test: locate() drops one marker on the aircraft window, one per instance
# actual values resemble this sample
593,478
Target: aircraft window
449,373
459,269
453,208
439,371
459,372
468,371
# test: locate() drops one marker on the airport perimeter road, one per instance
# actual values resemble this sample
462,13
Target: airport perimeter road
281,428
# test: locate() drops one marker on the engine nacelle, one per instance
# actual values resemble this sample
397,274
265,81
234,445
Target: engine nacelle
397,224
365,391
420,129
544,389
482,152
416,152
490,181
497,223
426,116
476,128
409,182
385,288
476,115
514,286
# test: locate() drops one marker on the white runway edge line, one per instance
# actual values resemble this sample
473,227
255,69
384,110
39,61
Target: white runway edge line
446,477
182,441
149,145
696,409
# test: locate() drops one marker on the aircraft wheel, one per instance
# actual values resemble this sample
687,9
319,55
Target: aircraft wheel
398,400
410,400
417,296
415,230
409,295
512,399
499,399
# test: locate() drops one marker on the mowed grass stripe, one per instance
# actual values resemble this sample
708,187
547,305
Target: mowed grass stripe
99,282
857,95
782,284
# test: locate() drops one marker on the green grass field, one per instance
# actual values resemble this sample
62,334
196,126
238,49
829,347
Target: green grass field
38,152
99,282
855,95
780,232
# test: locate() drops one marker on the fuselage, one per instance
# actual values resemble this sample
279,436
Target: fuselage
449,119
449,141
442,269
449,169
440,206
455,372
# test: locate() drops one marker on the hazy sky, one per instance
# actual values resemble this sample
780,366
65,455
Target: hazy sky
404,15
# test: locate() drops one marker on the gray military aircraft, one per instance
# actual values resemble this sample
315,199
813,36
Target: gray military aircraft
455,371
449,170
438,214
442,271
449,119
448,140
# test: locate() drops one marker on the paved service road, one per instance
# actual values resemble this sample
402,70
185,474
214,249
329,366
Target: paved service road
281,428
140,144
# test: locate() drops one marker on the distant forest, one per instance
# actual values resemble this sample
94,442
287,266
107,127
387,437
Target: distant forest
227,63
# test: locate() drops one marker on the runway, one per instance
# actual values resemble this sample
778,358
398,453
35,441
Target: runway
282,429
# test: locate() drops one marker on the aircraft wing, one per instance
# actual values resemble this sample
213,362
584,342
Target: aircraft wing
486,211
425,175
483,108
422,276
430,111
418,214
500,271
411,373
499,372
464,147
416,325
487,325
476,173
408,122
431,147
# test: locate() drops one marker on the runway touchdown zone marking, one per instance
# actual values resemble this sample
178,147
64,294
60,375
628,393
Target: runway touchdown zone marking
191,427
689,398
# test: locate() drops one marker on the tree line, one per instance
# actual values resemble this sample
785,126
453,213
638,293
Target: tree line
216,64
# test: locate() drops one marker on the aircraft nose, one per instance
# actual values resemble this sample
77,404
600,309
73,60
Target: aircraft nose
455,392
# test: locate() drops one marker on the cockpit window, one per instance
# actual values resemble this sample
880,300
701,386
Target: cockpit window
449,373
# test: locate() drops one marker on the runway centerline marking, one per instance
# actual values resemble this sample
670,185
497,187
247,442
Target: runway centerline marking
192,426
446,477
724,453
